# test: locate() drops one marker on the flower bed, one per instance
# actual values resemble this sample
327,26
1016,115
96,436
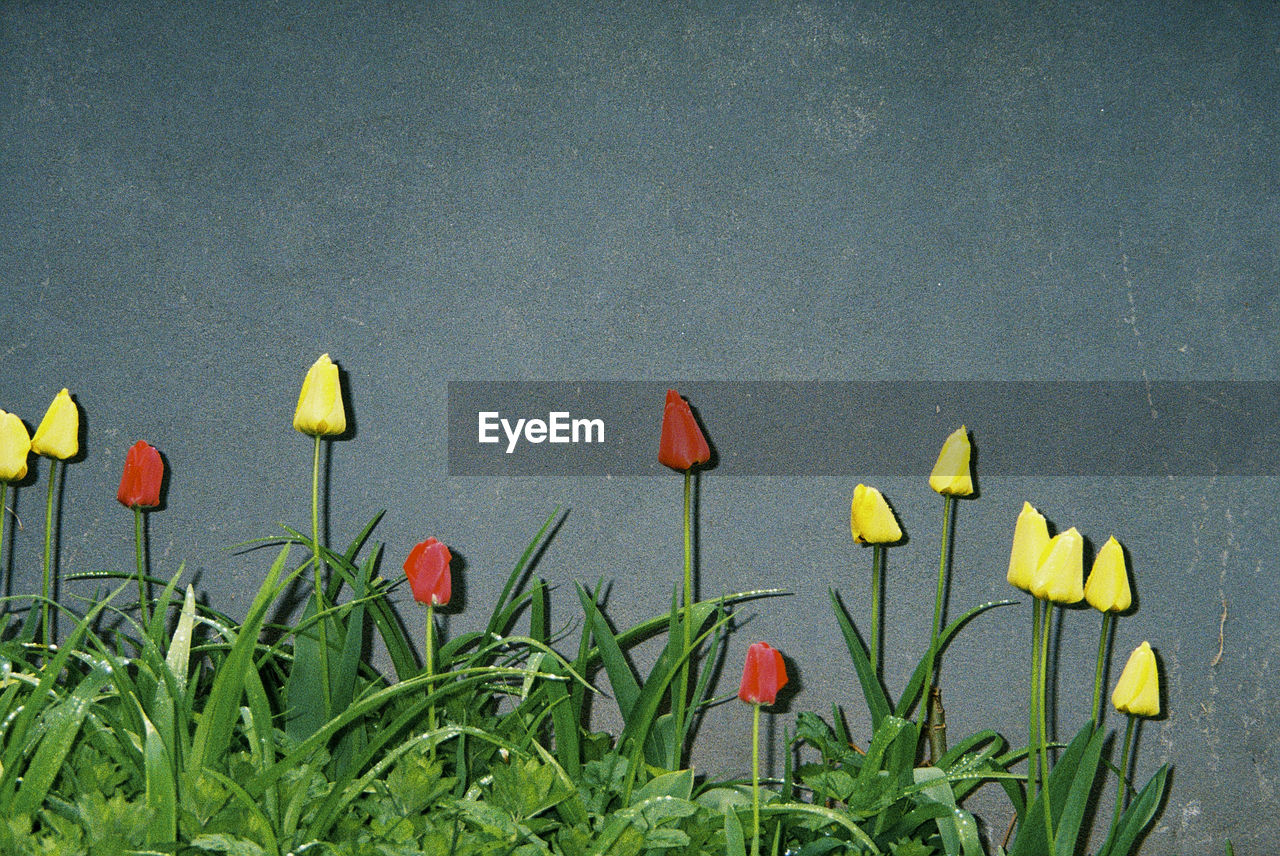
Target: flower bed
162,725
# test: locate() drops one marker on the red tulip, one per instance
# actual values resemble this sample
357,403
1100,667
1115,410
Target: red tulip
143,473
763,675
682,445
428,571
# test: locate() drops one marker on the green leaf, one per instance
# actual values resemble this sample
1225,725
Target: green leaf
626,689
502,613
161,790
735,841
1030,840
915,686
61,725
1139,815
678,784
1068,819
217,721
872,691
178,657
957,828
305,712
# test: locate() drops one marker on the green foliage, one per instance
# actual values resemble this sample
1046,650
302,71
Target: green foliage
199,734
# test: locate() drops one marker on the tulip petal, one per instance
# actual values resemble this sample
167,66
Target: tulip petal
15,446
58,435
1107,588
682,445
1138,691
1059,577
950,475
763,675
427,568
143,475
1030,537
320,411
871,520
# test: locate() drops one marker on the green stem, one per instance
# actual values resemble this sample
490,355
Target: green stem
4,512
318,567
682,684
1122,787
45,614
431,663
877,574
942,587
755,780
1044,734
1097,674
1033,713
143,595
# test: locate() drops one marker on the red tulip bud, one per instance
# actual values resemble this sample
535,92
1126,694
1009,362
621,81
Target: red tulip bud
763,675
428,571
682,445
143,473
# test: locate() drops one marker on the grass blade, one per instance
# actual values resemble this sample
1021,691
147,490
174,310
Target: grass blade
877,701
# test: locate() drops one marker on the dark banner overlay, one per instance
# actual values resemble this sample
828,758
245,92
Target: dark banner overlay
774,428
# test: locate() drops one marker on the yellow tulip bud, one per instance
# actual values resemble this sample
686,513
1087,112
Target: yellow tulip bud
1059,576
1138,691
1107,589
58,435
320,412
15,445
1030,537
950,474
871,520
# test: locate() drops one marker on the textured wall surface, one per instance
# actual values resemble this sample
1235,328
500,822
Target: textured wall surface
200,198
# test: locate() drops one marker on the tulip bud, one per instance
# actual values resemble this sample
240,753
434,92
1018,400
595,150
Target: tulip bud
870,519
1138,691
1107,589
1030,537
15,445
143,473
950,475
320,412
682,445
58,435
428,571
1059,576
763,675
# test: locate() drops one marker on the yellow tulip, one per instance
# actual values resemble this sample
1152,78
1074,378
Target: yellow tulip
1138,691
1107,589
870,519
15,445
58,435
950,474
1059,576
320,412
1030,537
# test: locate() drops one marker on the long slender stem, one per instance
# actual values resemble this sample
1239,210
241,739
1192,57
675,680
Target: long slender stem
143,595
1044,735
1122,787
318,568
682,684
1097,674
1033,706
4,512
877,577
45,613
942,587
755,780
431,662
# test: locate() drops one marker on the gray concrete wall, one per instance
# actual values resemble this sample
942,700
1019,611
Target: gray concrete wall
200,198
